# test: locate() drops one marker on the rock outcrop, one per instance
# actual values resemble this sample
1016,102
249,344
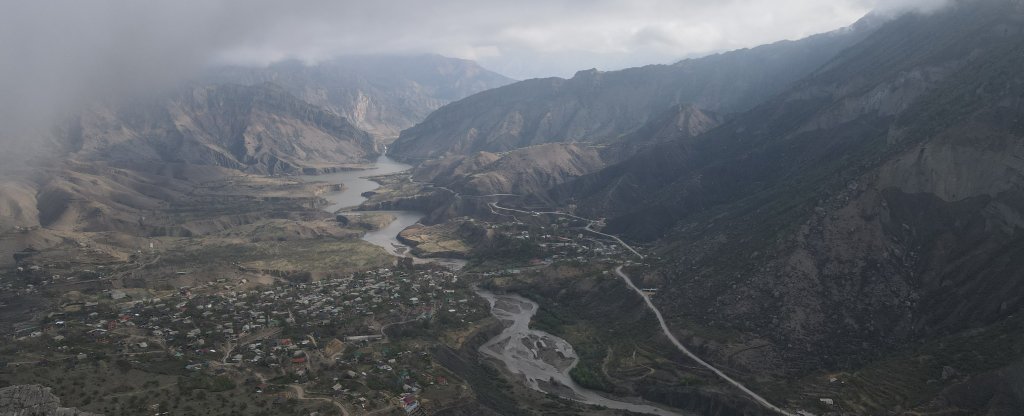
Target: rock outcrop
874,207
257,129
598,106
380,94
521,171
33,400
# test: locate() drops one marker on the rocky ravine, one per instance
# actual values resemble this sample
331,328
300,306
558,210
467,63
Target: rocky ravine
873,209
522,171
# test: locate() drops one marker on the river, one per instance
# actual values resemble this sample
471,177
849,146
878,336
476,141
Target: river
543,360
356,183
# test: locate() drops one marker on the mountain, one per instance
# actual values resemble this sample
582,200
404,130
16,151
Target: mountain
864,223
184,163
681,121
598,106
379,94
256,129
521,171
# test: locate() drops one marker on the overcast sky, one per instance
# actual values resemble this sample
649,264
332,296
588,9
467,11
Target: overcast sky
57,53
538,38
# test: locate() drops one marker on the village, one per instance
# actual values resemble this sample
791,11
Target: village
357,342
327,339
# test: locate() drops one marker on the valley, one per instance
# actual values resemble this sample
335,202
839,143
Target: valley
163,316
824,226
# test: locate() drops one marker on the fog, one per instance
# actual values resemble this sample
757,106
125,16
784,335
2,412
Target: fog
59,54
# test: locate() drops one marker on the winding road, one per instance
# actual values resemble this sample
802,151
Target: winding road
668,333
618,270
300,394
661,320
590,223
456,195
384,327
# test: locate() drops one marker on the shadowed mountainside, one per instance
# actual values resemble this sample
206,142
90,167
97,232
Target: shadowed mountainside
874,207
601,106
521,171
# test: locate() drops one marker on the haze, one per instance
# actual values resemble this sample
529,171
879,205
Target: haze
59,53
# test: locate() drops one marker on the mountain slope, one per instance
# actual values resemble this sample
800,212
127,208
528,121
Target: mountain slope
874,207
257,129
679,122
379,94
521,171
600,106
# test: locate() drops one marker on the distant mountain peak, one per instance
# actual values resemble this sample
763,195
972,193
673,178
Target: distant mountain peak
382,94
595,106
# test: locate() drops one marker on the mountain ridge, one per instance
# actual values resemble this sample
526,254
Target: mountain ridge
598,106
872,208
381,94
256,129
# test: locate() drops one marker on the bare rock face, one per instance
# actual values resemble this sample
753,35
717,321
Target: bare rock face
680,122
33,400
874,206
257,129
521,171
380,94
595,106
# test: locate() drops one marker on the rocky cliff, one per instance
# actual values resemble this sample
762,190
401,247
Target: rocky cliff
257,129
598,106
380,94
874,209
521,171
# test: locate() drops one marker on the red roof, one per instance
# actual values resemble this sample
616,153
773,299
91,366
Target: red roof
299,360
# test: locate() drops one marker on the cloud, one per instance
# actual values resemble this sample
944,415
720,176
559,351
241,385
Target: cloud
501,34
894,7
57,54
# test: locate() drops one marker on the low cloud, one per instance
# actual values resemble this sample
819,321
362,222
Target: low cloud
58,54
895,7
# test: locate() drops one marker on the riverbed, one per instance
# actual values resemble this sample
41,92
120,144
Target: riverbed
356,183
541,359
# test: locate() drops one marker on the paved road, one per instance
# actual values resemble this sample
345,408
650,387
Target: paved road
623,243
300,394
664,328
457,195
590,223
386,326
